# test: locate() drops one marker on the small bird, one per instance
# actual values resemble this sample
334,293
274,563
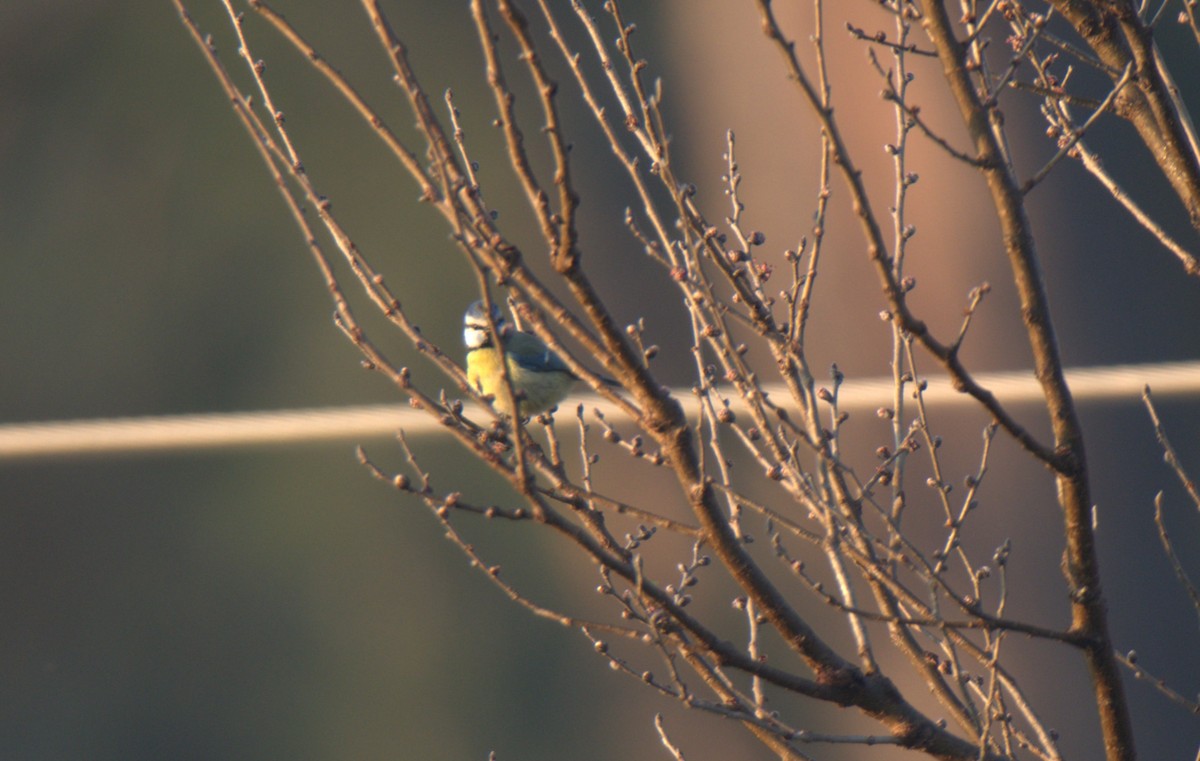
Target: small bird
540,379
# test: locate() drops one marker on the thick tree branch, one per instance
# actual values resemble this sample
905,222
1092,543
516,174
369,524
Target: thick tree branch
1118,36
1081,566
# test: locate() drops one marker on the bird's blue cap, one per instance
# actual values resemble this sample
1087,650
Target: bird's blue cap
477,315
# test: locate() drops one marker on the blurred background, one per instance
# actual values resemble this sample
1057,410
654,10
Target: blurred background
278,602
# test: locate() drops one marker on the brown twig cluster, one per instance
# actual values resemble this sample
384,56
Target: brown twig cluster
831,528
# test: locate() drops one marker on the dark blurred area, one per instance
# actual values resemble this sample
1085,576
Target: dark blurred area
279,603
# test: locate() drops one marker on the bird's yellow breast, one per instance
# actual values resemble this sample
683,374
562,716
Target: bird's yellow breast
537,391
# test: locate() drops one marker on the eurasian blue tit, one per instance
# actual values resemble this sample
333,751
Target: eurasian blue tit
539,377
